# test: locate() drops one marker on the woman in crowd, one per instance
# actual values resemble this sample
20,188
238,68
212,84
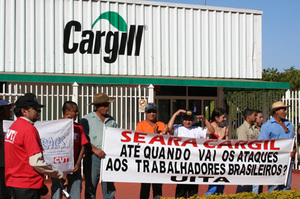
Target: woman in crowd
218,118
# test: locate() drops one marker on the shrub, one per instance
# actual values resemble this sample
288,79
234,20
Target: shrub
278,195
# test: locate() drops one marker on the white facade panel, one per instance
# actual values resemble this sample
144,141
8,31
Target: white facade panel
129,38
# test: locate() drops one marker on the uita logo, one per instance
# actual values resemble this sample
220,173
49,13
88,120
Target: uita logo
91,41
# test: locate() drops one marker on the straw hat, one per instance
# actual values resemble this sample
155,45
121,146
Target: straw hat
101,98
277,105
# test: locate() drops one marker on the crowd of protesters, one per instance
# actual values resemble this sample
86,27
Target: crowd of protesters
23,168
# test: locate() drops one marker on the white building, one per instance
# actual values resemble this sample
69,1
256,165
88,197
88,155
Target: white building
189,53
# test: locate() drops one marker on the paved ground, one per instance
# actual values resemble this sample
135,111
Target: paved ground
131,190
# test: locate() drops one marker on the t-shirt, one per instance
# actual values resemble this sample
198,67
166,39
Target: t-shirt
79,140
273,130
193,131
144,126
22,140
93,127
246,132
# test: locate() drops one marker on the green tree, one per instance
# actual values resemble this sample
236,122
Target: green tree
290,75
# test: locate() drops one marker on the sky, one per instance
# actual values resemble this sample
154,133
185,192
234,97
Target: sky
280,28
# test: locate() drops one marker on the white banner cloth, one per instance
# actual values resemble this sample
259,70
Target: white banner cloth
133,156
57,138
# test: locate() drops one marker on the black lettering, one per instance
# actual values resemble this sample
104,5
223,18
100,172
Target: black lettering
114,50
183,179
138,40
109,165
124,165
87,42
97,47
67,36
221,179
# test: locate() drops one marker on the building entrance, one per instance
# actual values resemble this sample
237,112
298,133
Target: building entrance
184,98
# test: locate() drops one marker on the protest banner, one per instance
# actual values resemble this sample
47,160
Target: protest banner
57,138
133,156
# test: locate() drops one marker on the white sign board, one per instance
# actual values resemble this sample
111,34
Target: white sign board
57,138
152,158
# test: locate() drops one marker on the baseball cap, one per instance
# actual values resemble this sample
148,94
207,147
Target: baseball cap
188,114
150,106
4,102
28,100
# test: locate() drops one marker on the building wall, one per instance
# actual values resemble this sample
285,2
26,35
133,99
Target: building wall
175,40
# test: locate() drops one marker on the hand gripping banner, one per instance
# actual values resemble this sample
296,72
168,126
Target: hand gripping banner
57,138
133,156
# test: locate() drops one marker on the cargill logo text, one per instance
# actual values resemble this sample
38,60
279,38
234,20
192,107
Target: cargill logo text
91,41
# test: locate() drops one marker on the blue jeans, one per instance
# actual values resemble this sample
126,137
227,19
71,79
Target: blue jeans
74,186
288,183
215,189
91,170
257,189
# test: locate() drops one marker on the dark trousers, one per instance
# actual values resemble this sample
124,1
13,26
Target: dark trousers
145,190
20,193
186,191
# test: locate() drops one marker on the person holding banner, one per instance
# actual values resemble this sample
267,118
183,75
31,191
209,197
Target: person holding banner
186,129
5,114
279,128
24,163
257,127
247,132
70,110
150,125
93,125
218,117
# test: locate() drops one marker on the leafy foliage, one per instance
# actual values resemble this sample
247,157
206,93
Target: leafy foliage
280,194
290,75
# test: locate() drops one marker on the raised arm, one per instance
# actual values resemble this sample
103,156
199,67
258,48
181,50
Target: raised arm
172,120
210,128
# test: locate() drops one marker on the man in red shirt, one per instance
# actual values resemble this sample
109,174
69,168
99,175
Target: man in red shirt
70,110
24,163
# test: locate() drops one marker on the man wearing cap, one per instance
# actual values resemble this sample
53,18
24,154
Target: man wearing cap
93,125
186,129
5,114
279,128
151,125
24,162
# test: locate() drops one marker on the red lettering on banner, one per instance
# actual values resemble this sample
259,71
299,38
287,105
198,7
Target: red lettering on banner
206,144
226,143
190,141
127,138
272,147
138,137
158,138
242,144
61,159
255,145
175,139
